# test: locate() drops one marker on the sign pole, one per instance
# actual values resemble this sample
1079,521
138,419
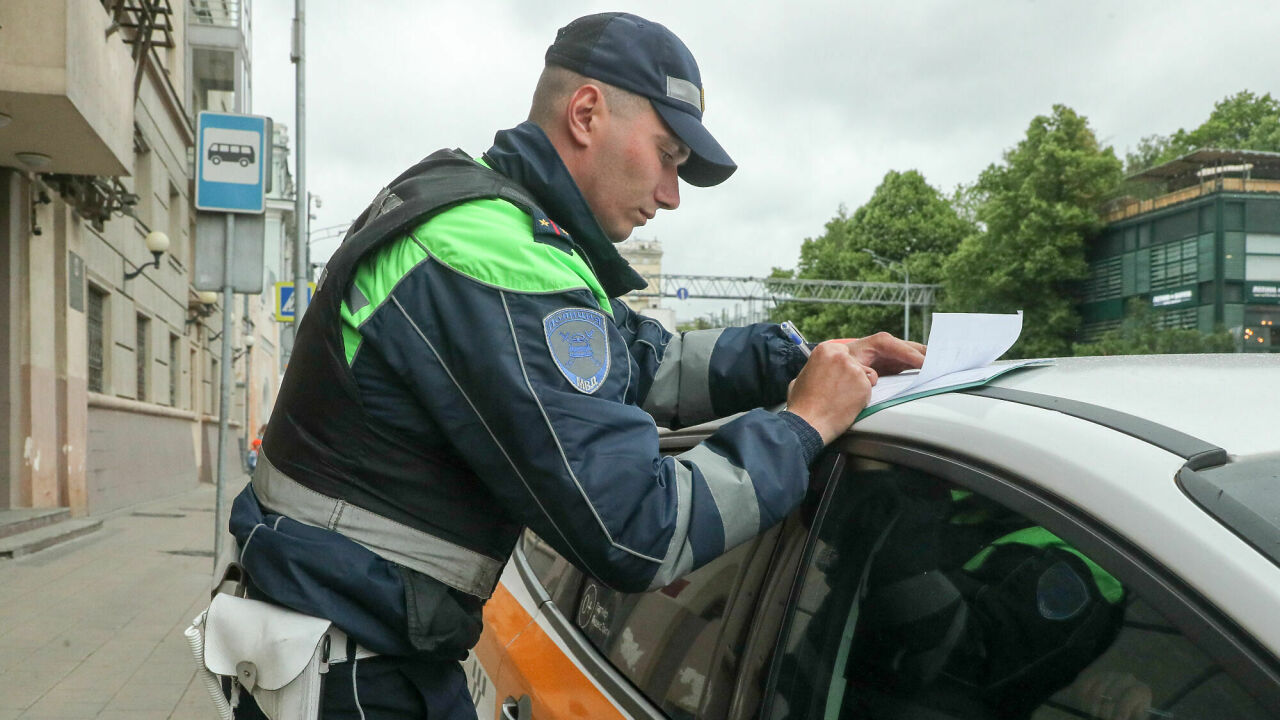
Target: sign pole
224,402
232,162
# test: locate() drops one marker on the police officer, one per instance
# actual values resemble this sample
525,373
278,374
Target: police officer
466,371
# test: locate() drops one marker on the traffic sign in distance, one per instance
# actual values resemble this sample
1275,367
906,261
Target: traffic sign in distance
231,162
682,293
284,300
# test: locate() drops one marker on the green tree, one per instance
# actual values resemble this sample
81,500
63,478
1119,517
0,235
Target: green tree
698,323
1037,208
1243,121
1138,335
1152,150
906,220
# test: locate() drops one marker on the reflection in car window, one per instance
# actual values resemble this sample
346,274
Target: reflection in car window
557,575
922,599
667,641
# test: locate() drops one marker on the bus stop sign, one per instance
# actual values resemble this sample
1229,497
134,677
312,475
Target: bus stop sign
233,154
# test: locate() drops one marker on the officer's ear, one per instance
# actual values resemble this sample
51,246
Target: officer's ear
586,114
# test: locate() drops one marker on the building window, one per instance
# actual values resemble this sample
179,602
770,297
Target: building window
1173,264
142,178
213,72
1184,318
1262,257
97,338
175,369
177,227
142,355
1103,282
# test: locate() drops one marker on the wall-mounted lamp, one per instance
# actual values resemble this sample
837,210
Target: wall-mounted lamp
248,345
203,307
5,119
157,243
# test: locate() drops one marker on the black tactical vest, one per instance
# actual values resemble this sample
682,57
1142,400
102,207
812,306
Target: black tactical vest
321,436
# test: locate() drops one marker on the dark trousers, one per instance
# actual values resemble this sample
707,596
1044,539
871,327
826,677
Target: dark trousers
387,688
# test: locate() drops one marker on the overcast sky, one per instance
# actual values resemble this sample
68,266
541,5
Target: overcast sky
816,101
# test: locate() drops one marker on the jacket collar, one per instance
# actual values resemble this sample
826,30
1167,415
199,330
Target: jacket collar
525,154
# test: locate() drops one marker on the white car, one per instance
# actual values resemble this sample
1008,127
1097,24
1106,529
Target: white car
1156,479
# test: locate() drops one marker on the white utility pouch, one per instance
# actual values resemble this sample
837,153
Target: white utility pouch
273,652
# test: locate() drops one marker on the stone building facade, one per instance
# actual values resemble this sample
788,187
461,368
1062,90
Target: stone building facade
109,376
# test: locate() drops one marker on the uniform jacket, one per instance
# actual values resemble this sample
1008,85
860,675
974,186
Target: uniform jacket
502,385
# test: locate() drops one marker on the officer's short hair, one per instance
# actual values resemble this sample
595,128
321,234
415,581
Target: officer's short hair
556,84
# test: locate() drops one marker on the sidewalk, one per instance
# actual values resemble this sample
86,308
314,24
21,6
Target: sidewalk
93,628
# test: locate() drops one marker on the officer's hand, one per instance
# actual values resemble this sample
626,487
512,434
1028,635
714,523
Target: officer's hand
831,390
885,353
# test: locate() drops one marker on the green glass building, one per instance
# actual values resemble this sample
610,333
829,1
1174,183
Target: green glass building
1203,249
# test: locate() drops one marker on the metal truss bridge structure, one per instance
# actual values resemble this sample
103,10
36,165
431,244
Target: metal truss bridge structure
777,290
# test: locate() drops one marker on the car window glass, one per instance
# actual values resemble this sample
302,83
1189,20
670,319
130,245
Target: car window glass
923,599
667,641
557,575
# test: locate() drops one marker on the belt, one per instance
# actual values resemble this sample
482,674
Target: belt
458,567
343,649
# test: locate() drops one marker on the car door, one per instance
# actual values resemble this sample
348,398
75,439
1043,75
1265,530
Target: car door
848,646
592,652
507,614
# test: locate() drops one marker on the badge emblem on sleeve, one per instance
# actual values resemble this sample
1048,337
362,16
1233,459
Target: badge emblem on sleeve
578,339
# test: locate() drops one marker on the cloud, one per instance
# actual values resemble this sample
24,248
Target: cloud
815,100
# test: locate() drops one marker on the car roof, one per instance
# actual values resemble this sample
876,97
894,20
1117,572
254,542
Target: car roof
1228,400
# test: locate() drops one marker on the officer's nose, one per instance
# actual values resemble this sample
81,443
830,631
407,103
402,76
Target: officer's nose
667,194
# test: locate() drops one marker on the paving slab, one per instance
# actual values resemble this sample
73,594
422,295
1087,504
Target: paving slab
92,628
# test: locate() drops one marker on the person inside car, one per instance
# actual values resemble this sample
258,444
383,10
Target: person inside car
960,608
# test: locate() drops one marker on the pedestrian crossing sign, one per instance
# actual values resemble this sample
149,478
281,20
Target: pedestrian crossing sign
284,300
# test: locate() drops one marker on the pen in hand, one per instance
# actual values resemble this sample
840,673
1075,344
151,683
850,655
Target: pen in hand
789,329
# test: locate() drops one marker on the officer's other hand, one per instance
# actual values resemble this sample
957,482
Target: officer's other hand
886,354
831,390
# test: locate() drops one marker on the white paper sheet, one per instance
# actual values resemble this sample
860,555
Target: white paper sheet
962,347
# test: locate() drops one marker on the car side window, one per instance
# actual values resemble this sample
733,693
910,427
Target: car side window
556,575
920,598
677,645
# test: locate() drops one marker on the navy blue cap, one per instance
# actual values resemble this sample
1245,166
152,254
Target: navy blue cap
645,58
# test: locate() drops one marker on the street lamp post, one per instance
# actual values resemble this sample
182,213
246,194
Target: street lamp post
906,301
302,209
899,266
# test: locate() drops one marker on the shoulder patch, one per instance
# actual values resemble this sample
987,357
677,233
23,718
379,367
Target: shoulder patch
578,339
547,231
544,225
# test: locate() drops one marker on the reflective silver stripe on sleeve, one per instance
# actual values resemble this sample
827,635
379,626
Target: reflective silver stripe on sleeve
695,376
462,569
678,560
681,89
664,394
734,493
